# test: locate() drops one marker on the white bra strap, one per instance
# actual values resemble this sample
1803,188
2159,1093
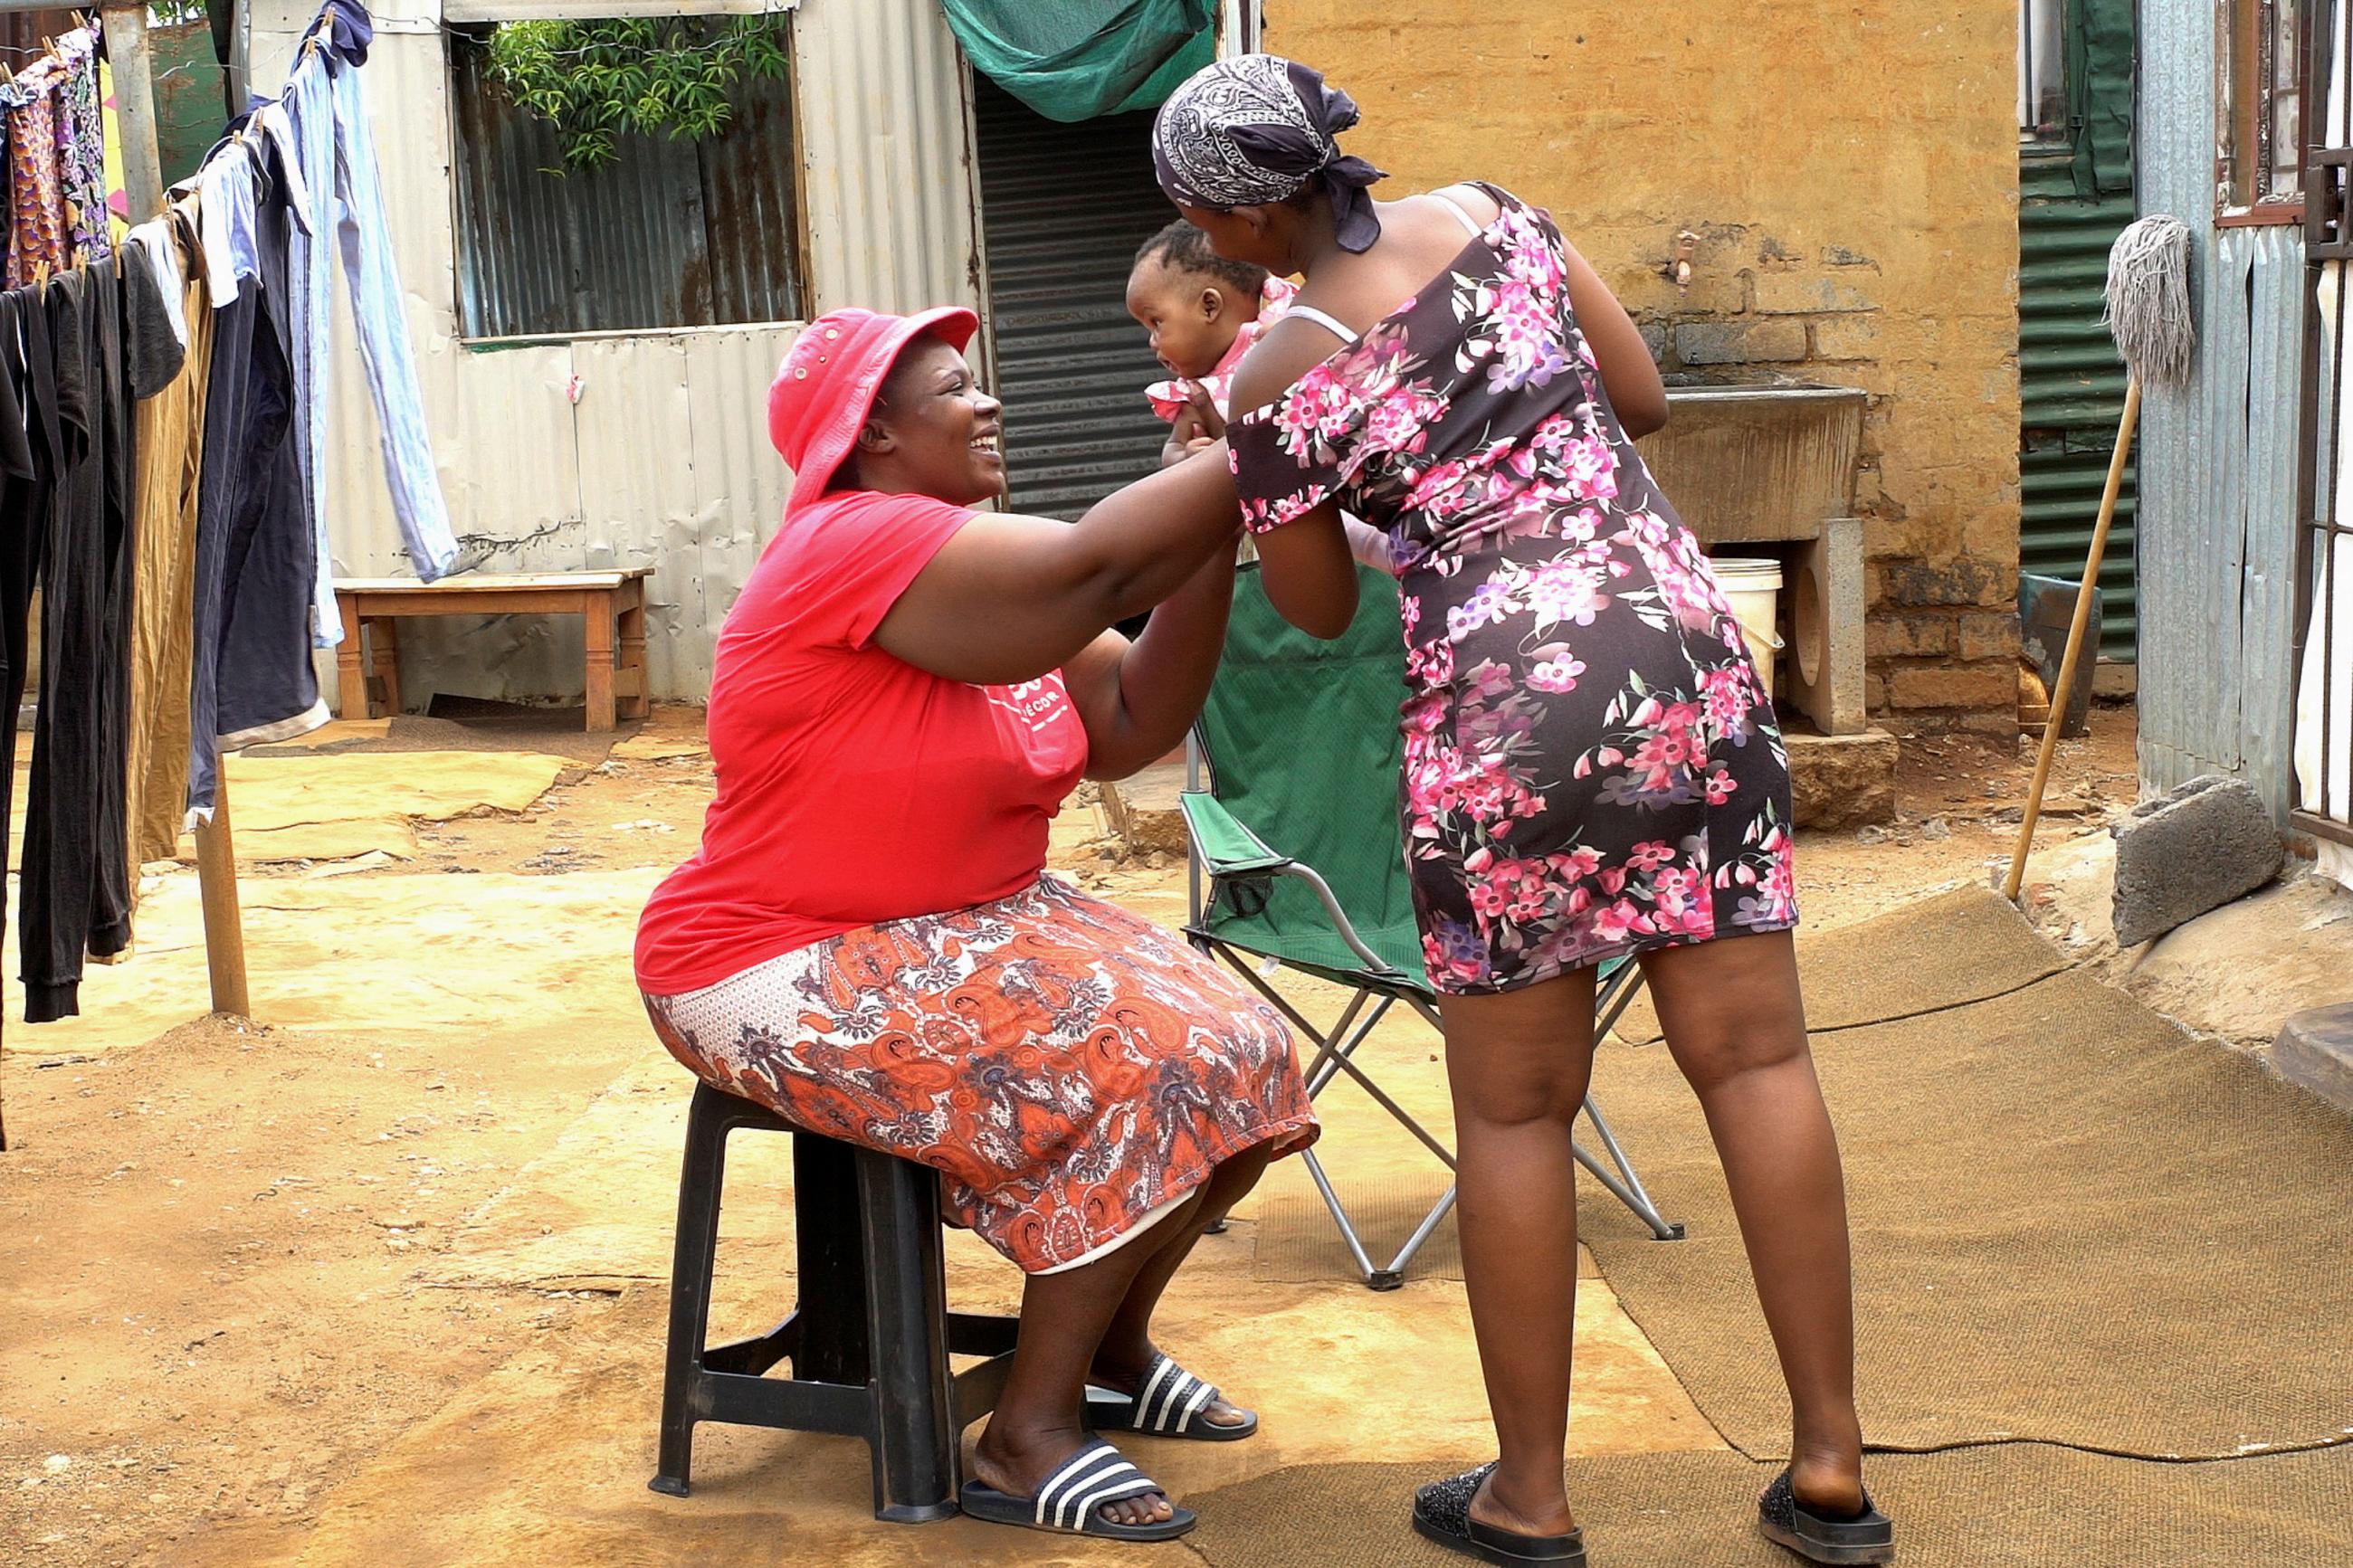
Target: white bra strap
1331,324
1470,224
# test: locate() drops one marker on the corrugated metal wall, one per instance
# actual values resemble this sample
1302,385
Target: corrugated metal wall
672,233
664,460
2073,201
1071,364
2217,459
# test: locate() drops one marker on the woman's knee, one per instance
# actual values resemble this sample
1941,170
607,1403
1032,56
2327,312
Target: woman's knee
1232,1181
1521,1058
1729,1007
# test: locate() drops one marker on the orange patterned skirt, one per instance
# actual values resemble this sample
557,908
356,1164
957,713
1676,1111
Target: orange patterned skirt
1071,1067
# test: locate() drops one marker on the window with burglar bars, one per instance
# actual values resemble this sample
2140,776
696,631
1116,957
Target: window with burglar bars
2322,671
2263,77
672,233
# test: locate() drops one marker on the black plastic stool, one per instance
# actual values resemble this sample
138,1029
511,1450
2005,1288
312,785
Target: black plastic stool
871,1337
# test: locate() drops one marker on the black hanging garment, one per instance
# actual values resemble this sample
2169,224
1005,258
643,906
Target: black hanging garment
24,516
76,886
255,554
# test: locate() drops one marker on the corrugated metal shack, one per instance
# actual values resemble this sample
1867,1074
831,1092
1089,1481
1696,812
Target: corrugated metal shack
2217,461
565,440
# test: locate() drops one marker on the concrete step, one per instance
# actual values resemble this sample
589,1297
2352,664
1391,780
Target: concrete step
2314,1051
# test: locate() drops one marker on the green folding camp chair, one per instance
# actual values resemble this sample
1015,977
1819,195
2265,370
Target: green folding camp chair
1296,863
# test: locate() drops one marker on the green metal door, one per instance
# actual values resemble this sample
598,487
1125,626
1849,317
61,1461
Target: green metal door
2074,198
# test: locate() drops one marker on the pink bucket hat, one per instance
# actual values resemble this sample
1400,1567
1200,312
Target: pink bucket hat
827,385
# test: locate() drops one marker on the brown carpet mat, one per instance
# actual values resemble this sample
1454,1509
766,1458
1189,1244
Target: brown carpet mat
1958,947
2073,1222
1298,1243
2008,1506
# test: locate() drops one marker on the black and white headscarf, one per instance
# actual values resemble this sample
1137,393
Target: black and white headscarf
1257,129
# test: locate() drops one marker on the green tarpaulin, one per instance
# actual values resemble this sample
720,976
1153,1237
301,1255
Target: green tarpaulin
1077,59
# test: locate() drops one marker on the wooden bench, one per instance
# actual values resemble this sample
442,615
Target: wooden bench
613,604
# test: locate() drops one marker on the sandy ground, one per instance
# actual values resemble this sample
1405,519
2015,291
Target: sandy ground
380,1278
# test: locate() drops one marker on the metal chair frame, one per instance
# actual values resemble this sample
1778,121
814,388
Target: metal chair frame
1381,987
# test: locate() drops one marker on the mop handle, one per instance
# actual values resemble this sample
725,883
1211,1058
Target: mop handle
2075,639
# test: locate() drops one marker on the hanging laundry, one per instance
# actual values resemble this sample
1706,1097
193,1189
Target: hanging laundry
335,151
255,551
24,513
74,884
39,236
170,373
81,148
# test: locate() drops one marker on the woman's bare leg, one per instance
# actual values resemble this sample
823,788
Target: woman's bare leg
1037,1424
1127,1348
1735,1020
1518,1065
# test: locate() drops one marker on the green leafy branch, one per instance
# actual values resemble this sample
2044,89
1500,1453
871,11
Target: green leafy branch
595,80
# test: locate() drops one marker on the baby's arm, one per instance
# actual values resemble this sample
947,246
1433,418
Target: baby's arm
1369,545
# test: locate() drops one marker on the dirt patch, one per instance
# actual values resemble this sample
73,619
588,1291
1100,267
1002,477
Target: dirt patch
238,1268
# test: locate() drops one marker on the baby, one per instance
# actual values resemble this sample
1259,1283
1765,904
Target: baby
1204,312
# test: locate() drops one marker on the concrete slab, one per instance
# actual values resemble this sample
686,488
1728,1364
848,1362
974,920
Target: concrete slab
2194,849
1842,781
2314,1051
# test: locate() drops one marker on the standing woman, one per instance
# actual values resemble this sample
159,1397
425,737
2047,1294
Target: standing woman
1591,765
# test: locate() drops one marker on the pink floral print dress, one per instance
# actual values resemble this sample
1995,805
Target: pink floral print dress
1591,763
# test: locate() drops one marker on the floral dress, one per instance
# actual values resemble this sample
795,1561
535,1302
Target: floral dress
1591,763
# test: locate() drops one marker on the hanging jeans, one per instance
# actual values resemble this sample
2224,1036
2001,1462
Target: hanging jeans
337,152
75,884
256,554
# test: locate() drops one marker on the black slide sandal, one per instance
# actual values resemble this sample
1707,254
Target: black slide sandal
1867,1538
1441,1512
1171,1405
1067,1502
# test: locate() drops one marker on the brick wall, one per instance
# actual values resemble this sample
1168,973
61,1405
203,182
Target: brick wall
1851,178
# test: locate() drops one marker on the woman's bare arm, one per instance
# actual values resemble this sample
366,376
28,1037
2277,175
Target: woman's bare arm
1629,374
1137,699
1010,598
1310,575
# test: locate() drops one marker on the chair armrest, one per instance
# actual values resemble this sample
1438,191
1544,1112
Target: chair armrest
1226,848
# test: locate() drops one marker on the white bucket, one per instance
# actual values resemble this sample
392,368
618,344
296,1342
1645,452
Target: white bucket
1752,587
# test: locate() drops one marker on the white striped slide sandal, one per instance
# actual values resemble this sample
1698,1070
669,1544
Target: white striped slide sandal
1069,1502
1172,1403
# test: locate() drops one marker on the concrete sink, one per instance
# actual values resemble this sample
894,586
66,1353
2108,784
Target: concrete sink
1749,464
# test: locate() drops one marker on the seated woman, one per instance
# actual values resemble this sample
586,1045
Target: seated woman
866,943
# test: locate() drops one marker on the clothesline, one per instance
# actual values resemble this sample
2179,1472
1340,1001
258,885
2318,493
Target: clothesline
180,504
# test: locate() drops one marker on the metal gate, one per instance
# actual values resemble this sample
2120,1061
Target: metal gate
1063,208
2323,671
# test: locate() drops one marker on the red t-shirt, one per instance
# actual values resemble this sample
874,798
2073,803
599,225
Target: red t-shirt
853,787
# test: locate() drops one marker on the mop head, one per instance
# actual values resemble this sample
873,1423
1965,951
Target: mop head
2148,300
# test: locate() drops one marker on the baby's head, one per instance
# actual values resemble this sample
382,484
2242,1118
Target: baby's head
1191,299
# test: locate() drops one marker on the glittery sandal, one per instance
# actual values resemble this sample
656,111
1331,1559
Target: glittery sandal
1071,1501
1441,1512
1173,1403
1868,1537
